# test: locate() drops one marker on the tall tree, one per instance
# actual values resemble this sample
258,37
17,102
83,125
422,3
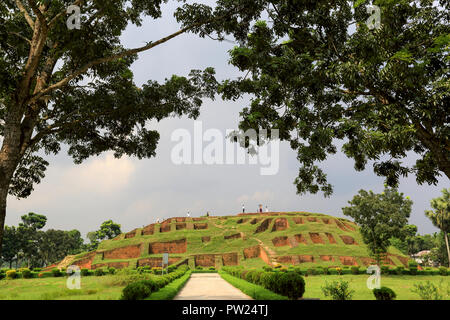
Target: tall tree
108,230
29,236
11,245
323,76
440,216
74,86
380,217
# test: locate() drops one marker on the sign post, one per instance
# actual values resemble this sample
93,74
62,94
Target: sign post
165,261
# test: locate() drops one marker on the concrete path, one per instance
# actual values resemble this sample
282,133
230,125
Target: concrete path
209,286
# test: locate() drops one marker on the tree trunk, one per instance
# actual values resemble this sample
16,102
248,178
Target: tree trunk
448,248
3,196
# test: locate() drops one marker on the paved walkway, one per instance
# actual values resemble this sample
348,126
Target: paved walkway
209,286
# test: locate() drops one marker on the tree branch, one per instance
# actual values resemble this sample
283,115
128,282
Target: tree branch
25,13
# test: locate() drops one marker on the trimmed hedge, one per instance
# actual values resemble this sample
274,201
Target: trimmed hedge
287,283
384,293
142,289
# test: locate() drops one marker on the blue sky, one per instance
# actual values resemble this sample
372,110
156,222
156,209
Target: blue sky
135,192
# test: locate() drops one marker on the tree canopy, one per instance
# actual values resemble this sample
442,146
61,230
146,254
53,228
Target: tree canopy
324,77
380,217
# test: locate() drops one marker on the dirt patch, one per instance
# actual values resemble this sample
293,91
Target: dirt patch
311,219
116,265
367,261
281,241
232,236
298,220
86,261
305,258
255,221
156,262
180,226
348,240
280,224
316,238
295,259
326,221
242,220
148,230
348,261
403,260
230,259
264,256
128,252
264,225
205,260
330,237
198,219
252,252
130,234
200,226
175,246
165,226
326,258
206,239
180,219
340,225
301,238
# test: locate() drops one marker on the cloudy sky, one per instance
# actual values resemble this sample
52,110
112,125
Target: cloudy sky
136,192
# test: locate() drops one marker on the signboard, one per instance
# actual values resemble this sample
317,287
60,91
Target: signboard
165,258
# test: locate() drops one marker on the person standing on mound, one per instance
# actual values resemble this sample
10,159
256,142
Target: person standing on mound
267,210
188,214
260,208
243,209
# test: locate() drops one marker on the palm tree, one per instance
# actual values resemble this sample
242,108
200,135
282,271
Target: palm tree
440,216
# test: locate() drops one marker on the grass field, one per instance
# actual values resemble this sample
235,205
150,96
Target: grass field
108,288
402,285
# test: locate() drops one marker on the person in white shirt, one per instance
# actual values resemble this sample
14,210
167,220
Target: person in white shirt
188,214
267,210
243,209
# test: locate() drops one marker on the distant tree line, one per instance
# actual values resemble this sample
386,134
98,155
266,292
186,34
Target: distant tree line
27,245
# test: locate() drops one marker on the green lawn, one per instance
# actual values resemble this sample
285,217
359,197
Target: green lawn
110,287
402,285
92,288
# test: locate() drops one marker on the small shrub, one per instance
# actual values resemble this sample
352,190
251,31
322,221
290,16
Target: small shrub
355,269
199,268
212,268
399,270
37,269
384,293
99,272
311,271
443,271
384,270
412,264
326,270
57,273
26,274
11,274
338,290
429,291
135,291
84,272
339,271
292,285
267,269
112,270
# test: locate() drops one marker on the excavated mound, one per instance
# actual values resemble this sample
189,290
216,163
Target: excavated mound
116,265
307,238
175,246
348,240
280,224
264,225
316,238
